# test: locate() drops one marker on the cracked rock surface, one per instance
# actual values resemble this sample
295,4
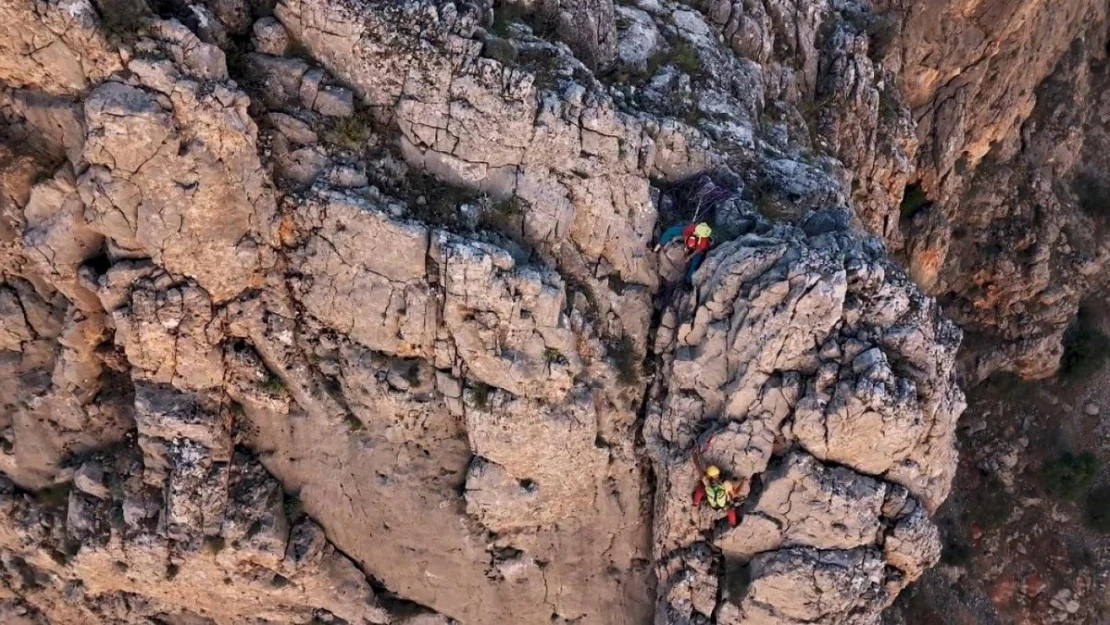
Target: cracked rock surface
805,362
346,312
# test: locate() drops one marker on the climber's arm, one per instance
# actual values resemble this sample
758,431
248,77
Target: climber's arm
670,234
738,490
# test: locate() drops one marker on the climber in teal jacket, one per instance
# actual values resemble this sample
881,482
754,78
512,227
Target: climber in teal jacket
696,238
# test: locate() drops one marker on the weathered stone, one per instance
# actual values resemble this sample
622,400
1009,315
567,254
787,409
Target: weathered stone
89,479
235,14
787,344
57,238
269,37
166,417
805,504
57,47
209,27
294,129
806,585
447,384
913,545
587,26
281,77
203,227
514,486
334,102
169,335
638,38
257,522
50,124
13,325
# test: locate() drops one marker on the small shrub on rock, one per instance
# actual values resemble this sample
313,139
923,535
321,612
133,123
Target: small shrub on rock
273,384
1097,512
480,393
124,21
214,544
623,354
686,58
1070,475
55,496
500,50
294,509
350,133
1085,348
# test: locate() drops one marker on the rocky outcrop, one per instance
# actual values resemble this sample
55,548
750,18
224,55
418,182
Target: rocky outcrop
57,47
173,171
588,27
806,363
341,315
1003,95
955,70
183,552
496,127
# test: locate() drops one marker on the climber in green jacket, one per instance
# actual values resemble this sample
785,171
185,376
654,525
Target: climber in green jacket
718,494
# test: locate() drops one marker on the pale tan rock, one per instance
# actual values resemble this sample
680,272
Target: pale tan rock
250,524
56,237
516,484
506,322
361,255
587,26
294,129
89,478
202,228
13,325
913,545
46,123
488,126
454,408
334,102
54,46
806,504
805,585
170,336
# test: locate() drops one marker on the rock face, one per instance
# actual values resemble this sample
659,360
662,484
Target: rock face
806,364
1010,120
587,26
347,312
58,48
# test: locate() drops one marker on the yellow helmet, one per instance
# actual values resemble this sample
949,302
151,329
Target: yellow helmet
702,230
712,471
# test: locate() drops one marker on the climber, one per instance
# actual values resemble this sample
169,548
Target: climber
719,494
697,239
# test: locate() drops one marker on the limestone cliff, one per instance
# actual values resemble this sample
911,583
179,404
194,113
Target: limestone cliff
347,312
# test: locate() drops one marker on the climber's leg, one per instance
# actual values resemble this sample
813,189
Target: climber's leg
692,266
699,494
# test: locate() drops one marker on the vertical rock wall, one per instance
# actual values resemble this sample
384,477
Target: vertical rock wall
349,314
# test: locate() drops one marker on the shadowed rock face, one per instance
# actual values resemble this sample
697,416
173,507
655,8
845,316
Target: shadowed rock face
346,312
1008,102
588,27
